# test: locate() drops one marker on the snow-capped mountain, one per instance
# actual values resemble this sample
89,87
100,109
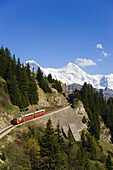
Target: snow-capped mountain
71,73
33,65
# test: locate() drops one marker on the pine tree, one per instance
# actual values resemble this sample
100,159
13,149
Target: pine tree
7,62
70,139
91,146
50,150
59,136
14,66
23,83
3,64
33,94
32,151
83,138
42,82
28,71
14,91
81,155
50,78
39,75
19,73
24,100
84,95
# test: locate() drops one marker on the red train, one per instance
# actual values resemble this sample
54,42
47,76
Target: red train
28,116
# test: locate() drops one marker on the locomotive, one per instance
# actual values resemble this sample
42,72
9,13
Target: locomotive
25,117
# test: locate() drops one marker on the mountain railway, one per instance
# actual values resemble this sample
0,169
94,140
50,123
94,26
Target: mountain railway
8,129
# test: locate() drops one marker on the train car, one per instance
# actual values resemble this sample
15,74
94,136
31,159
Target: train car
28,116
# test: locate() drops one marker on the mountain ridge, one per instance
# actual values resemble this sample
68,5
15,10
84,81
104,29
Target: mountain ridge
71,73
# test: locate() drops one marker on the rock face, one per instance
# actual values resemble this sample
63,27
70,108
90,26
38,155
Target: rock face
105,133
73,86
108,93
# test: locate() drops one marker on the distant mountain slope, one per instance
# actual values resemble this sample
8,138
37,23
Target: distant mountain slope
106,92
71,73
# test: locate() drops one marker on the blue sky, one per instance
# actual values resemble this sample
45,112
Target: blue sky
56,32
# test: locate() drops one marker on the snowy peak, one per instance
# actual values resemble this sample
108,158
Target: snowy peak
71,73
33,65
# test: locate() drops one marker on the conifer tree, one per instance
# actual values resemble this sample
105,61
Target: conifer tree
3,62
50,78
91,146
24,100
7,61
83,138
59,136
28,71
70,139
19,73
33,94
81,155
14,66
9,72
39,75
14,91
42,82
50,150
32,150
84,95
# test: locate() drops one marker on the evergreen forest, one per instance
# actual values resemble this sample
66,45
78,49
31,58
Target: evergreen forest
20,82
96,107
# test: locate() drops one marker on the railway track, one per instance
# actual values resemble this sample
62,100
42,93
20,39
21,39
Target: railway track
11,127
6,131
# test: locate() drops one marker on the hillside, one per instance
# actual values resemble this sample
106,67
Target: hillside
8,111
21,89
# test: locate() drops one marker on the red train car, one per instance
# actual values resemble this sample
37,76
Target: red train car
28,116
